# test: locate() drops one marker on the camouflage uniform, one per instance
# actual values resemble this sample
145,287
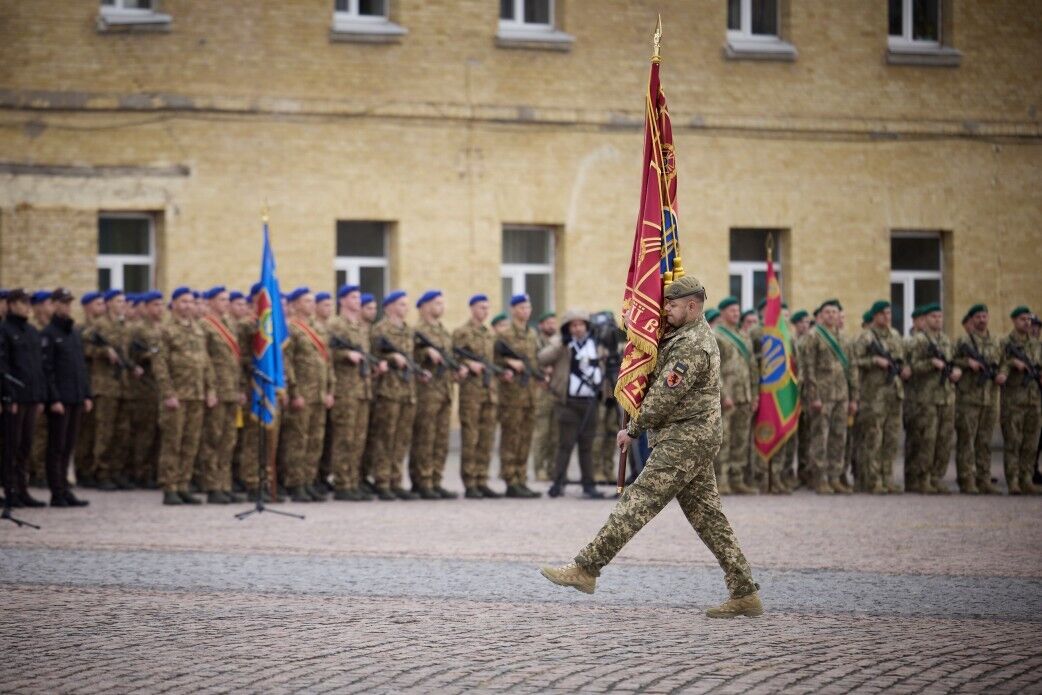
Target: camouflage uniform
182,369
605,463
933,416
740,380
976,412
430,433
143,395
222,345
825,379
309,375
681,413
394,410
879,413
477,406
906,415
84,458
111,422
350,413
803,470
544,433
517,411
1021,414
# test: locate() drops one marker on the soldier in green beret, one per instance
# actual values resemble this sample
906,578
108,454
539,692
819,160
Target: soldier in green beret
1021,403
544,437
976,401
738,396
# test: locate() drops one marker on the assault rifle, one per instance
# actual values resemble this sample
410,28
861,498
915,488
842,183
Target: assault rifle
15,381
447,359
935,352
386,346
504,350
893,366
368,358
989,370
138,347
490,367
1032,372
122,365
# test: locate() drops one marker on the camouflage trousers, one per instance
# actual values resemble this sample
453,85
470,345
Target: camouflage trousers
251,433
515,440
828,438
733,457
325,458
933,428
605,453
370,444
180,431
350,429
544,436
217,447
974,425
676,469
851,462
910,442
777,472
1020,427
144,423
302,433
879,425
803,470
111,436
477,419
430,442
392,436
84,461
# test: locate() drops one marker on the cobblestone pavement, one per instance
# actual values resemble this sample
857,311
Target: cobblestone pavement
896,593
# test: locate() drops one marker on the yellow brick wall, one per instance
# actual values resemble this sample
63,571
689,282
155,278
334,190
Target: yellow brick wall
47,248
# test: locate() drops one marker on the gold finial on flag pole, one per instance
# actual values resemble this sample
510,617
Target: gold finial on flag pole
657,39
264,212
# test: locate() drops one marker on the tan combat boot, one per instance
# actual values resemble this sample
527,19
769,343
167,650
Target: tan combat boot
1028,488
893,488
1014,486
740,488
723,487
571,575
986,488
748,606
822,487
877,488
841,487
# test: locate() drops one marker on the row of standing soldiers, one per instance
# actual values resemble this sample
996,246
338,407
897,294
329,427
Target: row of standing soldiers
857,393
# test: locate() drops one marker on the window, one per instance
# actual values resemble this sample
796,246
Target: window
915,34
365,21
132,13
915,274
528,266
753,31
126,259
361,256
747,269
530,24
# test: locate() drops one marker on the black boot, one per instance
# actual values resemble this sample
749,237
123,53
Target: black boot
486,491
592,493
556,490
529,492
217,497
385,495
172,498
188,498
299,494
74,501
30,501
473,493
403,494
445,494
427,493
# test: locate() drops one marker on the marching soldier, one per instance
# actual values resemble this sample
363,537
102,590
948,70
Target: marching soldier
933,410
1021,403
186,384
430,434
544,434
478,398
739,383
309,382
517,397
142,391
976,402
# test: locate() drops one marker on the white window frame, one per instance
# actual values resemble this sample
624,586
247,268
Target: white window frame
517,33
114,263
746,270
352,265
743,43
516,272
118,14
905,40
519,23
907,278
352,23
745,20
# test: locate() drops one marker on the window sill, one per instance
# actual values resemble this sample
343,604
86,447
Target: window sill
928,55
354,31
120,20
534,39
759,49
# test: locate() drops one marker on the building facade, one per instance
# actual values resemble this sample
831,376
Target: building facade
891,147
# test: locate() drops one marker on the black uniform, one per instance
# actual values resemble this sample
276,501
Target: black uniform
68,383
22,388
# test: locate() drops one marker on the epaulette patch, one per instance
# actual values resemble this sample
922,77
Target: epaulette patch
673,379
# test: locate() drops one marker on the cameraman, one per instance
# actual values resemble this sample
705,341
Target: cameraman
577,384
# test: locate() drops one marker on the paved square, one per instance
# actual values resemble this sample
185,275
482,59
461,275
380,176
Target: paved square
896,593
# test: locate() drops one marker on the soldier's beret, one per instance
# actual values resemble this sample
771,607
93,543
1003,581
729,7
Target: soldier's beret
477,298
3,294
255,288
197,294
89,297
346,290
297,294
498,318
40,296
762,304
153,296
214,291
878,306
234,295
17,295
973,311
394,297
748,312
135,299
711,315
112,294
817,311
684,287
831,302
917,312
930,308
1019,311
427,296
546,315
367,298
518,299
323,296
867,317
799,316
726,302
180,292
62,295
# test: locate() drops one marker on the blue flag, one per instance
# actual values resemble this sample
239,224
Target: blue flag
268,372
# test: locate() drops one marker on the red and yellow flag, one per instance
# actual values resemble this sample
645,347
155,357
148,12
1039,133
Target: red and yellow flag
655,261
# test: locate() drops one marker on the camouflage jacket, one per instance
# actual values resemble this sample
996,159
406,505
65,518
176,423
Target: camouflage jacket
824,375
396,384
972,388
876,384
106,378
143,346
439,388
683,397
478,339
519,392
353,381
739,374
928,384
225,351
1019,391
182,366
309,368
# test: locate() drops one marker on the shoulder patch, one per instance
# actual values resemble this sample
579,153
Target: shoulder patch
673,379
680,368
